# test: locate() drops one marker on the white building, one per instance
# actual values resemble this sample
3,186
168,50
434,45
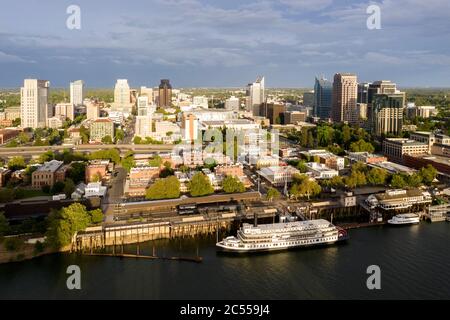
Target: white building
77,92
54,122
278,176
325,157
190,128
148,92
95,189
164,127
143,127
321,171
232,103
64,110
255,95
122,97
34,103
213,114
200,101
116,117
92,111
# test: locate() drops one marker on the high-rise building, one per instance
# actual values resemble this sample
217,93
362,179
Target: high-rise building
345,89
380,87
255,96
275,112
77,92
189,126
143,127
387,114
165,94
64,110
323,93
92,111
144,91
122,97
232,103
363,92
308,99
34,103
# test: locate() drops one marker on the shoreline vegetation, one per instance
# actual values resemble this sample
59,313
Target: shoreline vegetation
28,251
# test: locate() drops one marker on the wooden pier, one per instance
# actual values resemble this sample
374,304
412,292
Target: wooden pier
139,256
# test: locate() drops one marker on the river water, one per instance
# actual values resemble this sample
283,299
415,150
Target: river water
414,263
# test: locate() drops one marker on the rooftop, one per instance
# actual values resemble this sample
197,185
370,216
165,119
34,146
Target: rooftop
51,166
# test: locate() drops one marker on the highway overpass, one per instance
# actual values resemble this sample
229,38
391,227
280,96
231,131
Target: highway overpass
85,148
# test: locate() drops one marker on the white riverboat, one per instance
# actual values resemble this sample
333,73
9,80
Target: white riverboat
405,218
281,236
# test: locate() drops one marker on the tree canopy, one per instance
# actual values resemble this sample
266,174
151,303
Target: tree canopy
166,188
200,185
232,184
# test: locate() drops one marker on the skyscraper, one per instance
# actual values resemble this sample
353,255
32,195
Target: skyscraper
143,126
345,88
387,113
255,95
122,97
77,92
363,92
323,94
34,103
165,94
380,87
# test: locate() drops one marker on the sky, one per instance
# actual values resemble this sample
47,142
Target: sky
224,43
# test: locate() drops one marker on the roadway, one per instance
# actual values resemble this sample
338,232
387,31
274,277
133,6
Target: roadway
31,151
115,192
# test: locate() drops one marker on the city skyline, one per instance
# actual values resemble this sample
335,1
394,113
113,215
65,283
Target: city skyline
226,43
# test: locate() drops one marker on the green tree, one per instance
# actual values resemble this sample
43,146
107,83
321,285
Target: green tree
397,181
64,223
120,134
4,225
232,184
69,187
58,187
96,216
414,180
128,161
137,140
356,179
301,166
361,146
6,195
16,163
377,176
346,135
23,138
111,154
272,194
156,161
303,187
107,140
166,188
336,182
200,185
77,171
428,174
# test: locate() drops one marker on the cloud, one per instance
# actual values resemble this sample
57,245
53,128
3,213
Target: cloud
307,5
7,58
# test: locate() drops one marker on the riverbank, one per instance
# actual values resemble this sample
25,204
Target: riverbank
25,252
